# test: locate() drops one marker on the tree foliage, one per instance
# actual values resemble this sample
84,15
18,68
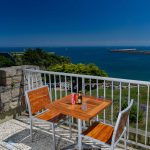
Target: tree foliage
42,58
89,69
6,62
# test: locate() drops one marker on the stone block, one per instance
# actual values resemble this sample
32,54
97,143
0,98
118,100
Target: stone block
5,96
2,81
11,81
29,67
2,89
2,73
10,72
14,99
17,79
17,85
15,92
15,70
18,70
13,104
6,106
6,81
7,72
12,86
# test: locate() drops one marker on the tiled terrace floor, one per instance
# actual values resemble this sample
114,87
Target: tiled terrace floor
14,135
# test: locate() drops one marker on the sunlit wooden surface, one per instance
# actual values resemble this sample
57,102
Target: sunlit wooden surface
39,102
94,107
100,132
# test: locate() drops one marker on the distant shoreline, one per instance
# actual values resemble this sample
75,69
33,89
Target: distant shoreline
130,51
21,53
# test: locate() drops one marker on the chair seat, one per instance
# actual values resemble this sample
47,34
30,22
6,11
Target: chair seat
52,116
101,132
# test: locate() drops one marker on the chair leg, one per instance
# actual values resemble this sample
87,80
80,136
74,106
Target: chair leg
54,140
70,127
125,140
31,129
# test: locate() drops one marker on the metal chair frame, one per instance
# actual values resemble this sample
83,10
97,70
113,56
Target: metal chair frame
54,125
124,132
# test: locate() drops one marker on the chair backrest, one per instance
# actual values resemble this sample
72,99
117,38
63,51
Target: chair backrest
38,99
121,123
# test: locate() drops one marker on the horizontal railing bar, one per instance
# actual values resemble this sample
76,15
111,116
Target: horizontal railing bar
92,77
138,144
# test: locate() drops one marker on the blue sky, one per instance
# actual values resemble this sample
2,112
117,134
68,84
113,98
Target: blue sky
74,22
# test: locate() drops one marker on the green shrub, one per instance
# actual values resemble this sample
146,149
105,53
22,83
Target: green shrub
133,113
6,62
89,69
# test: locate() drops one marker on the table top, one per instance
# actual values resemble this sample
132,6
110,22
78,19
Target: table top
93,107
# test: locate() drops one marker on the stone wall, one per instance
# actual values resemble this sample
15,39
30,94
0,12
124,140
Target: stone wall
12,87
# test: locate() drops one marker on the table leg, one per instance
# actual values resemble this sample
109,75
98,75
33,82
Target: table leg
79,134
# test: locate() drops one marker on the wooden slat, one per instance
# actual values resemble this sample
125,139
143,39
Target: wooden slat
41,105
43,89
122,124
51,115
101,132
39,99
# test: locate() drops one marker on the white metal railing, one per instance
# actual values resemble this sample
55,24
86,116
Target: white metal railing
120,91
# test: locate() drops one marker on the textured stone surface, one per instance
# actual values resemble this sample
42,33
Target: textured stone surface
12,74
5,96
13,104
15,92
3,89
17,79
6,81
7,72
11,86
6,106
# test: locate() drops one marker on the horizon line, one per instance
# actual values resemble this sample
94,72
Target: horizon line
76,46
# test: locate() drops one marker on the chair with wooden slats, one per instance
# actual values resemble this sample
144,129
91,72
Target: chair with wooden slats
39,105
108,135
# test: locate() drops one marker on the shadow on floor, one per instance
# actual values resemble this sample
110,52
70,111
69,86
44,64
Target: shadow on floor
41,141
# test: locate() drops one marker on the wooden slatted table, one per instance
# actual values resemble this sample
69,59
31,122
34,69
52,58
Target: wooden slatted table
94,107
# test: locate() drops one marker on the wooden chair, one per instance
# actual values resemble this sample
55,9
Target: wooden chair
108,135
38,101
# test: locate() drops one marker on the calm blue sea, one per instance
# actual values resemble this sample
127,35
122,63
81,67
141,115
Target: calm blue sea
119,65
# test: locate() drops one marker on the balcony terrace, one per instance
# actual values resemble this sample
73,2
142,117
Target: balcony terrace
15,133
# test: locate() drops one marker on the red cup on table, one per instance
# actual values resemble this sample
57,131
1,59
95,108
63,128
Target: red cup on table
73,98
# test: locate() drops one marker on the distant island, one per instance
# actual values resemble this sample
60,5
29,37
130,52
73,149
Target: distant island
130,51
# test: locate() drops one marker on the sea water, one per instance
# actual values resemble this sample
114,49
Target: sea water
118,65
